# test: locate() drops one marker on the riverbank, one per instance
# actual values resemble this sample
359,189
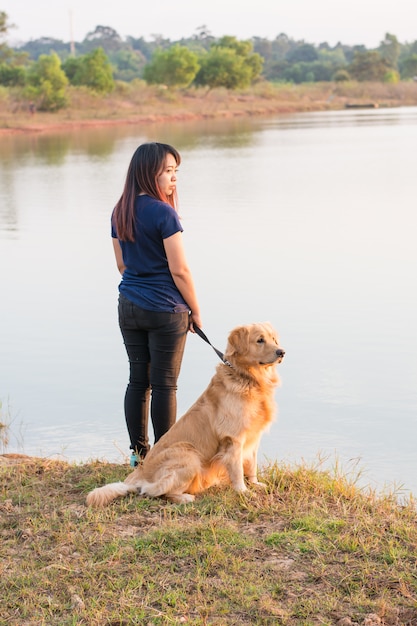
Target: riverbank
311,549
140,104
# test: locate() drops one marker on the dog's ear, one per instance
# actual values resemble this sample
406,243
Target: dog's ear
238,341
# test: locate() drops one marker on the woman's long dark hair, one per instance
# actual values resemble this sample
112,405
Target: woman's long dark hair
146,165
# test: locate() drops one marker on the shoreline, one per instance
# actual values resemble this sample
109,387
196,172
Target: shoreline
43,124
150,106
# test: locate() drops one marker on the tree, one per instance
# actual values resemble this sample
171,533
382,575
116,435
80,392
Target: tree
341,76
92,70
203,38
281,46
391,76
275,71
368,65
308,72
4,27
242,47
305,53
408,67
47,83
221,68
390,50
350,51
11,76
103,37
96,71
71,66
128,64
229,63
335,57
263,47
45,45
175,67
12,72
142,46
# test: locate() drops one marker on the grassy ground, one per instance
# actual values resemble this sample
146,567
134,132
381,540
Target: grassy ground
136,103
313,549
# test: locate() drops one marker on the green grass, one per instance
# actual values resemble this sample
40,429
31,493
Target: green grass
312,549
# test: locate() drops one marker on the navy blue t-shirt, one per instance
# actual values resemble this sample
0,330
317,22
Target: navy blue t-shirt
147,280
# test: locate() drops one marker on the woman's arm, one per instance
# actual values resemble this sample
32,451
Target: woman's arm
181,275
119,256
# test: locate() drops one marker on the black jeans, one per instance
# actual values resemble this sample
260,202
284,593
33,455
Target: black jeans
155,344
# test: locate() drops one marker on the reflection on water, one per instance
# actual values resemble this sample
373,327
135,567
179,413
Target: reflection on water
305,220
100,142
348,118
220,134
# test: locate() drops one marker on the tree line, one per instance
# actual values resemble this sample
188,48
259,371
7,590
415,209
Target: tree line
43,68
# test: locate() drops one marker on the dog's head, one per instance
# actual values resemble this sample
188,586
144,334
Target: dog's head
254,345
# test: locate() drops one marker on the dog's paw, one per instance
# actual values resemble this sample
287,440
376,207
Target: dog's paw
180,498
254,482
240,488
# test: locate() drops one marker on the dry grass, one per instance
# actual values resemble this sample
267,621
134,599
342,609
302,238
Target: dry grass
138,103
313,549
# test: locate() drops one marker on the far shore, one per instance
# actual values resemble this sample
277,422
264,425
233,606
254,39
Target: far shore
148,105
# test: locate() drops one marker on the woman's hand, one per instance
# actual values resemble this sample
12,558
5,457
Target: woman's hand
195,319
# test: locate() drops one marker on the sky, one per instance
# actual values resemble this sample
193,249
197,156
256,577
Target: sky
349,21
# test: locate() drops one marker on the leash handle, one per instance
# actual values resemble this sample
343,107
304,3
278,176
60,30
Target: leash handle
205,338
201,334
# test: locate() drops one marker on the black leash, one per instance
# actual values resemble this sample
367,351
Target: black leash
219,354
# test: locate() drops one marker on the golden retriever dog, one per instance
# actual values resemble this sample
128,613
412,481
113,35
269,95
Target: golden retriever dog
217,439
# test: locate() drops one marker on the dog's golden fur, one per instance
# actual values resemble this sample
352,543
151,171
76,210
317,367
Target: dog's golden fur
218,437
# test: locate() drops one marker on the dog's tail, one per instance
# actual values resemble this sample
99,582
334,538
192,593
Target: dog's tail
103,495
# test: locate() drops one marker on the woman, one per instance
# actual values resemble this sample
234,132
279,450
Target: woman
157,298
